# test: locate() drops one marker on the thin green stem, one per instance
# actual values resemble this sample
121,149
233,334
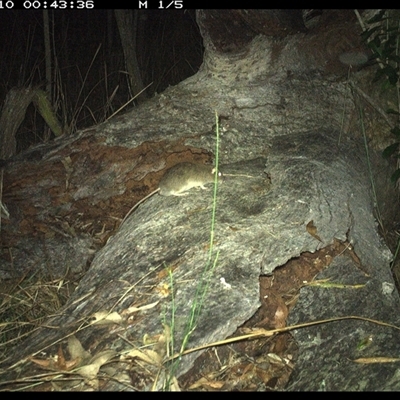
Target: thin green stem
204,283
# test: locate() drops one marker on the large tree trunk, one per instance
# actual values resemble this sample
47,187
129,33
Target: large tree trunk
287,122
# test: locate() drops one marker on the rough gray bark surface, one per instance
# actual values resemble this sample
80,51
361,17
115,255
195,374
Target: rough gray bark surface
284,125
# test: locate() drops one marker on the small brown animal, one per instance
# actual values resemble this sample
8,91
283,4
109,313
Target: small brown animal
179,179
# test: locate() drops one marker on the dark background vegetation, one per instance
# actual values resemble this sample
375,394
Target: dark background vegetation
89,75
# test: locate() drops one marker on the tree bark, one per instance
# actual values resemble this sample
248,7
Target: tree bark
292,157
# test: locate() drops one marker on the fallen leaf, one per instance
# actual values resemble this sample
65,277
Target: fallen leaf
76,350
312,230
131,310
106,318
148,356
88,371
103,357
